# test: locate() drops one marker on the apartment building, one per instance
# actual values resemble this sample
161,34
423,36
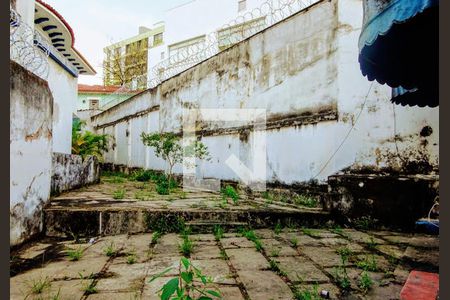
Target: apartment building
126,62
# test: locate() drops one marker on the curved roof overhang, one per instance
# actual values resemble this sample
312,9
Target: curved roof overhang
399,47
60,35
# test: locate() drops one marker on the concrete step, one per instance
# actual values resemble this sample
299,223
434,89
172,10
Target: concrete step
93,221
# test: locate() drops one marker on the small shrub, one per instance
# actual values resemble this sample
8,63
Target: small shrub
230,192
119,194
218,232
110,250
365,282
142,175
74,254
183,285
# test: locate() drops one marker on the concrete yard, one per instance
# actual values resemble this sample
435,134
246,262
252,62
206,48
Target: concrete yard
301,259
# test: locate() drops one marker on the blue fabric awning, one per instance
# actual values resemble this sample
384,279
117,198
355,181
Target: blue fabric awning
399,47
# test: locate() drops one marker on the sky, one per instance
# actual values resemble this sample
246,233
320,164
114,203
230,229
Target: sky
99,23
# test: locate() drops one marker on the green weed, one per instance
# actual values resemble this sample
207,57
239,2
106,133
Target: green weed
74,254
119,194
365,282
230,192
218,232
111,250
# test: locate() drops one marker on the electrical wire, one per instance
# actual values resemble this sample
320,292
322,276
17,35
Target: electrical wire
348,133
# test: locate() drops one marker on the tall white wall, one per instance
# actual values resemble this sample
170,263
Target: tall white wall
323,115
64,89
30,152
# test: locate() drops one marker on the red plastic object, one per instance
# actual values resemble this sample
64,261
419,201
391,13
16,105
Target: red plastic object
420,286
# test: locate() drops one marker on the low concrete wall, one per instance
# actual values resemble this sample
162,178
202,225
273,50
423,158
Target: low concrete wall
30,148
69,171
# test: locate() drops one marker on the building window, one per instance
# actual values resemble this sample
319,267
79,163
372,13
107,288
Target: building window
242,5
157,39
93,104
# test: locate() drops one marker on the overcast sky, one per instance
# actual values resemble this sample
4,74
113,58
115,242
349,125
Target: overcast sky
97,23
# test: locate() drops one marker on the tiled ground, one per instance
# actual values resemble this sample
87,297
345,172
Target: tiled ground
292,261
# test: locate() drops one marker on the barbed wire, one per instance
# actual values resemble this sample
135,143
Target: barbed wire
240,28
231,33
27,47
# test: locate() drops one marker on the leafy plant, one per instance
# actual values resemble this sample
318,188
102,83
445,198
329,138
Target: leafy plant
345,254
365,282
189,282
341,276
143,175
119,194
74,254
186,246
168,147
307,294
111,250
88,143
368,264
218,232
230,192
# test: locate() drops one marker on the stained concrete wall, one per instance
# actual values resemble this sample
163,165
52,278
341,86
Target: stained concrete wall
70,171
31,106
323,115
64,89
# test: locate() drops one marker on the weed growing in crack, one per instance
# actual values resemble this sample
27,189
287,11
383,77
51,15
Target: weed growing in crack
275,252
340,273
365,282
218,232
307,294
223,254
131,258
310,232
74,254
111,250
38,286
189,281
337,230
368,264
278,228
345,254
89,287
276,268
155,237
230,192
250,235
371,244
186,247
119,194
294,242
